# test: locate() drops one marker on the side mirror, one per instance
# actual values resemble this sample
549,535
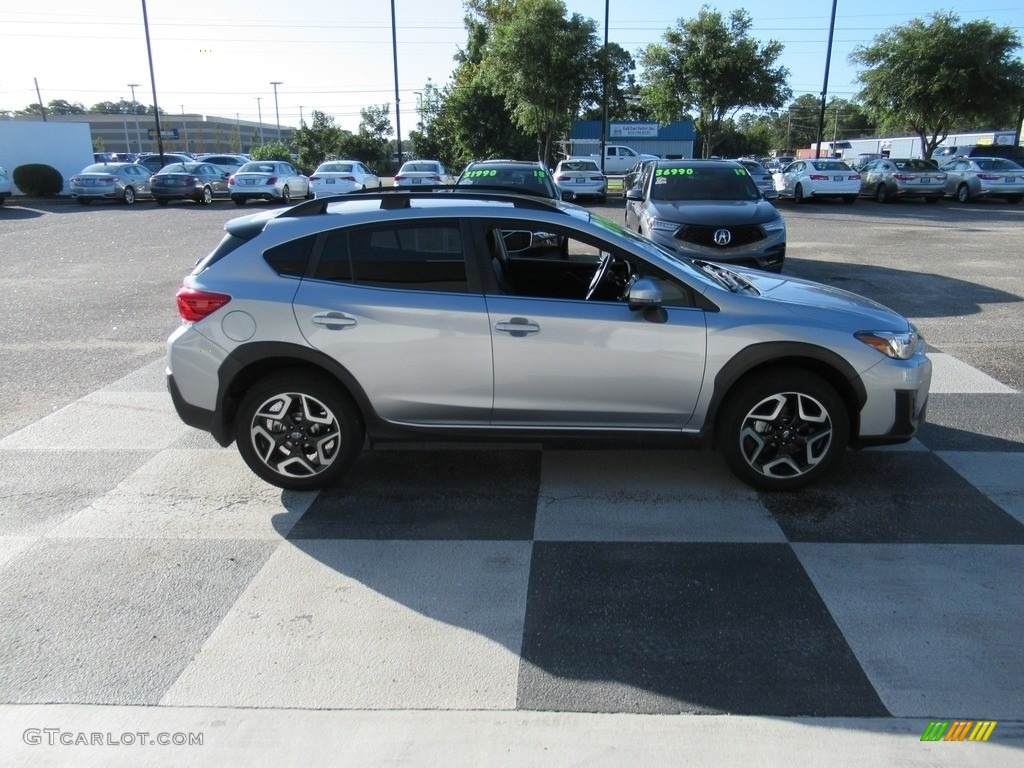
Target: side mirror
644,294
634,194
517,240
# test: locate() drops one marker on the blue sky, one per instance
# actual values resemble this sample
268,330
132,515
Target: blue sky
220,56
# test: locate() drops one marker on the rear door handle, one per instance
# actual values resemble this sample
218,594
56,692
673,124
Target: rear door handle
517,326
333,321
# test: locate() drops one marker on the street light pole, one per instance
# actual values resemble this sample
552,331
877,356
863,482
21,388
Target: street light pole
135,109
259,111
277,115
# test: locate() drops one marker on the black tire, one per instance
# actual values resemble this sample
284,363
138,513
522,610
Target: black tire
782,429
238,200
1013,199
602,200
849,199
283,445
882,193
162,201
798,194
286,195
207,196
963,193
128,196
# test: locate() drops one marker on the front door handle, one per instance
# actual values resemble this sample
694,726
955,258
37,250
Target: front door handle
517,326
333,321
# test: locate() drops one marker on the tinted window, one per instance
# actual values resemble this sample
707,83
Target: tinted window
290,258
699,182
417,255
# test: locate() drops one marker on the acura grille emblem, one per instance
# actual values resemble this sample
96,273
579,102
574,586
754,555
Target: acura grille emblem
722,236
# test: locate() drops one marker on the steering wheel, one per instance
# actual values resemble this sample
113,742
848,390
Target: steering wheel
599,275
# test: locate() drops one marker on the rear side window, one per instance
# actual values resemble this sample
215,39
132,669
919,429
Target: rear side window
425,256
290,258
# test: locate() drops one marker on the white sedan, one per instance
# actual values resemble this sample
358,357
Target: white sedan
422,174
810,178
339,177
272,180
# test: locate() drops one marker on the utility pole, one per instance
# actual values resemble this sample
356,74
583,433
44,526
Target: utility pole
824,88
39,96
277,115
135,109
398,107
259,111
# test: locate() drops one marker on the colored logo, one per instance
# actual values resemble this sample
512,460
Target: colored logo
958,730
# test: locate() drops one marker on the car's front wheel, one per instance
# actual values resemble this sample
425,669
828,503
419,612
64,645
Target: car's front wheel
298,431
963,193
882,193
798,194
129,195
286,195
783,429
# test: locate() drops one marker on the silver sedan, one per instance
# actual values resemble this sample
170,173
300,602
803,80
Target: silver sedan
968,178
888,178
121,182
272,180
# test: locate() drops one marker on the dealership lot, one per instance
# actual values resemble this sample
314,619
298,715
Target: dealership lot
512,598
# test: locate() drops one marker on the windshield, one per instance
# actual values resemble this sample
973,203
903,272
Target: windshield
695,182
531,181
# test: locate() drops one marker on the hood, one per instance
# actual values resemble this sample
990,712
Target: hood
716,213
803,297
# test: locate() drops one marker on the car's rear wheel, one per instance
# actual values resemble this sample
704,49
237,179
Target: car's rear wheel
298,430
161,201
286,195
783,429
129,195
798,194
207,197
882,193
963,193
238,200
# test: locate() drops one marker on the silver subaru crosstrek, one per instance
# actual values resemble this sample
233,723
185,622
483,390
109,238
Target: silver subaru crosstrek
395,315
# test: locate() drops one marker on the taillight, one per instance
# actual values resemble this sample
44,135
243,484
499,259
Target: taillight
399,178
191,180
231,181
818,177
194,305
272,180
347,178
110,180
317,178
903,177
988,176
940,176
75,179
854,177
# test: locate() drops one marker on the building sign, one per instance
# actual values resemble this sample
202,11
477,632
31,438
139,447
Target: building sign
166,133
633,130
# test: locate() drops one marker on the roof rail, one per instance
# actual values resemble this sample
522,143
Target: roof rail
394,198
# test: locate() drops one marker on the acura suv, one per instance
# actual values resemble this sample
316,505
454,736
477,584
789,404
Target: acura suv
708,209
313,330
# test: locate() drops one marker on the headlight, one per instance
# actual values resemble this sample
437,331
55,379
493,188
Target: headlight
898,346
664,226
774,225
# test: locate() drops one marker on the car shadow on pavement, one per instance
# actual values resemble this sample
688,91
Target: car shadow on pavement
912,294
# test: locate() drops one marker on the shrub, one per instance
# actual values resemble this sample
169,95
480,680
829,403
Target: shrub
272,150
38,179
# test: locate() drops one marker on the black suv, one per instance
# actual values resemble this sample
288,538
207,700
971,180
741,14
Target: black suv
522,176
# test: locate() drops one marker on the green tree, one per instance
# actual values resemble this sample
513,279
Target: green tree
933,77
370,142
122,107
711,67
272,150
623,92
63,107
318,141
541,62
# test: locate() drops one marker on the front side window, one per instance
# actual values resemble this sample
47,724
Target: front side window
425,256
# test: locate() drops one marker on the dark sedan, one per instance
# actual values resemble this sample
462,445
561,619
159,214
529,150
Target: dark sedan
707,209
201,182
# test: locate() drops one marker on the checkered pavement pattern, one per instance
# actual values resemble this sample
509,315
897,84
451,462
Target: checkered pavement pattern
143,564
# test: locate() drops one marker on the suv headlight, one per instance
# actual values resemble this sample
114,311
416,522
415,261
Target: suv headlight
774,225
898,346
664,226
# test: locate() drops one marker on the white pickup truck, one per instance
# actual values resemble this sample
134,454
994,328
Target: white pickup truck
619,159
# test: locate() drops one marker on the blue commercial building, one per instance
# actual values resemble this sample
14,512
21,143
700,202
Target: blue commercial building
672,142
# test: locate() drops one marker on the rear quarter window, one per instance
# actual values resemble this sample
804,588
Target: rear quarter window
290,259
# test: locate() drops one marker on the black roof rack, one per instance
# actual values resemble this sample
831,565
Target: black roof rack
393,198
